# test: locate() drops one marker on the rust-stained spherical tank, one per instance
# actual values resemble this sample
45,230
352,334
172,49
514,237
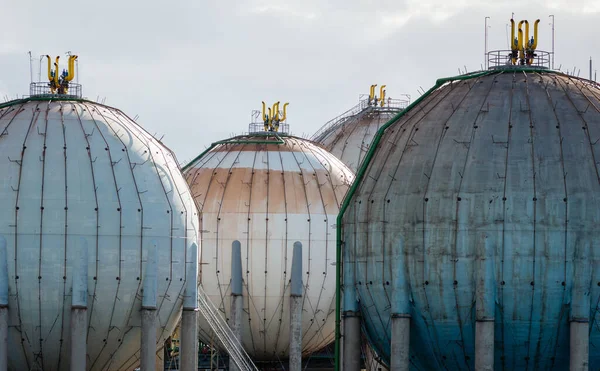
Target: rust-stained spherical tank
349,136
79,175
268,193
482,203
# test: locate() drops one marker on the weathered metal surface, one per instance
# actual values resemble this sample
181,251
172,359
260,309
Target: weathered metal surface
350,140
267,197
74,170
511,157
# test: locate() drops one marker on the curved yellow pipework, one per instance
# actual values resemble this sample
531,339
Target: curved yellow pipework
56,71
271,120
381,90
512,35
265,117
520,46
50,78
284,112
71,71
382,95
521,52
275,113
526,44
372,92
535,34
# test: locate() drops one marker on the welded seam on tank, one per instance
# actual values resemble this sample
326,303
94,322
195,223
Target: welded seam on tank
97,237
304,183
319,330
562,163
145,141
533,167
435,98
41,225
198,166
266,260
185,212
457,215
501,299
64,285
16,295
248,257
117,188
285,254
24,336
118,278
217,246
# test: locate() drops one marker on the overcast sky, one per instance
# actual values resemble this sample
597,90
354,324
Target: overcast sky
193,70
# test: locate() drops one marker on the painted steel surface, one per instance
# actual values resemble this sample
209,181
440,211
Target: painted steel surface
350,140
76,174
269,196
506,161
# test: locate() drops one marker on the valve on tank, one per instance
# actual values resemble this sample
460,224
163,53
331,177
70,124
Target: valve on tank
271,116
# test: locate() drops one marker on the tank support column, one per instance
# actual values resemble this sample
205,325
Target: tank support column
485,294
148,346
79,307
3,304
400,346
351,349
189,319
296,310
237,298
580,309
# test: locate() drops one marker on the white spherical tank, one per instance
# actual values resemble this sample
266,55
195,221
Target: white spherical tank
350,139
268,193
82,177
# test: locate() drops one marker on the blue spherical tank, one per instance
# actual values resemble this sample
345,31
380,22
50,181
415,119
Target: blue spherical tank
82,179
484,197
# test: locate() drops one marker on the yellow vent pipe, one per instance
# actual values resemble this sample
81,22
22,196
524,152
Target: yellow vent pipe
382,94
71,71
284,112
535,34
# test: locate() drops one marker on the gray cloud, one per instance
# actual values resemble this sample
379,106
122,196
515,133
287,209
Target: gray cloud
194,70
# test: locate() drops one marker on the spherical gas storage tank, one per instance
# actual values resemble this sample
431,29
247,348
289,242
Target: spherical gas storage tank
480,204
268,192
80,178
349,137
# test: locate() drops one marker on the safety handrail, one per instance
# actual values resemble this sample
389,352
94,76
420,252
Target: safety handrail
221,329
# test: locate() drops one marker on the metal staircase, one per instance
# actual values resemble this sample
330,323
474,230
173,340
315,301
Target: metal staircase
224,333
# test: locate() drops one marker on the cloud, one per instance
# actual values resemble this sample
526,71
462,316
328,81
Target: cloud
194,70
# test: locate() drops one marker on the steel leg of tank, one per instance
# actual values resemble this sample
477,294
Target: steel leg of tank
188,354
351,339
400,346
484,345
296,310
580,346
3,338
3,305
189,340
148,345
485,306
79,317
579,316
237,299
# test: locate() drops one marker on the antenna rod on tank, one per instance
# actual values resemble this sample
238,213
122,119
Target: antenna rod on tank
590,68
31,67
